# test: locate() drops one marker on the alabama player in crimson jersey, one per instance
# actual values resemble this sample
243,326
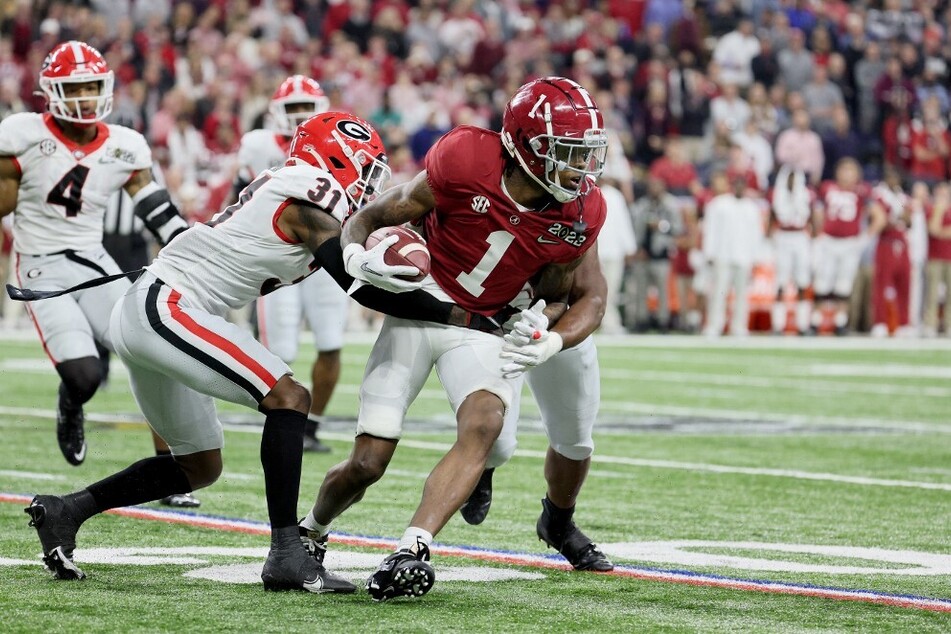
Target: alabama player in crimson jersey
499,210
841,240
317,298
59,170
892,276
170,331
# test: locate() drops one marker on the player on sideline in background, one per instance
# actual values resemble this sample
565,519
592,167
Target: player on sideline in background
317,298
57,173
499,210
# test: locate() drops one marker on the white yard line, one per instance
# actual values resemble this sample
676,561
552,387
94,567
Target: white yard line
30,475
780,382
794,474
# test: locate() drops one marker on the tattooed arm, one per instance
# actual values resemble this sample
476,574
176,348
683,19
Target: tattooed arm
404,203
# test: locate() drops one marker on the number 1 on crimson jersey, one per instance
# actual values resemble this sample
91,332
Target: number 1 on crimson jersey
499,242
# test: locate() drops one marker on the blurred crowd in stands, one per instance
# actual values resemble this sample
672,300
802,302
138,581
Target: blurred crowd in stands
704,99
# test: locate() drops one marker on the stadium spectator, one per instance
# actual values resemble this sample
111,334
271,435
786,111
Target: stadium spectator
758,150
822,97
939,262
675,171
930,144
765,66
729,111
894,93
616,249
732,233
763,112
839,142
657,225
800,147
796,62
652,124
689,97
734,53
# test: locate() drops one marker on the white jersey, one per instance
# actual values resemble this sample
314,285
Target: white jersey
241,253
261,150
64,187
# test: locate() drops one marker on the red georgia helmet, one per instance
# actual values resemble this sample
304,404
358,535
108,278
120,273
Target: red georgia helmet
553,128
296,89
76,62
349,148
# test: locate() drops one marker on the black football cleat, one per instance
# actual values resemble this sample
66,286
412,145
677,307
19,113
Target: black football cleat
477,506
574,545
402,574
181,501
69,430
293,569
57,531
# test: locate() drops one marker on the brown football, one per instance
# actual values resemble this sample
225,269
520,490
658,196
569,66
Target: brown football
409,250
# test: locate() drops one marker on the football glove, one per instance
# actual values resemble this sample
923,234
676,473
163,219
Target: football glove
368,266
530,343
528,322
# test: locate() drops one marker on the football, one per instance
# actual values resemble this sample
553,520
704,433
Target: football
409,250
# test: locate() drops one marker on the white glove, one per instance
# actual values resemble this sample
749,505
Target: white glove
529,321
530,343
368,266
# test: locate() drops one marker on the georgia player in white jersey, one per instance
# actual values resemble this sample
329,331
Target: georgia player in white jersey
791,221
317,298
57,172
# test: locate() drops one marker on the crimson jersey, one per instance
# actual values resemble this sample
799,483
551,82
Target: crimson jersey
895,204
484,246
843,210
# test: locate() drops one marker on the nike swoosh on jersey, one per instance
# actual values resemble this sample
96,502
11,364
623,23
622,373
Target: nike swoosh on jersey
544,240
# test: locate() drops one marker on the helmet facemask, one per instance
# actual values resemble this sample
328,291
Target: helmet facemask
285,122
565,156
69,108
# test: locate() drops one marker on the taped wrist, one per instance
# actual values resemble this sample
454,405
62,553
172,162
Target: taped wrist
154,206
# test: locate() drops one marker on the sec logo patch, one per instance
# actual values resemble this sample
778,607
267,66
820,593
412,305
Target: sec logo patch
34,273
47,147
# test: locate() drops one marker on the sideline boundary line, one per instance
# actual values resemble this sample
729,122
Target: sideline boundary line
553,562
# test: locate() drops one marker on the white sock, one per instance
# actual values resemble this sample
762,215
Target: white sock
841,319
779,316
413,537
802,315
311,524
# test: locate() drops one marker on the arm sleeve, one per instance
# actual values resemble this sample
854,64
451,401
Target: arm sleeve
416,304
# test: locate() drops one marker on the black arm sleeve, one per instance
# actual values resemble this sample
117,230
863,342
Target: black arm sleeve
416,304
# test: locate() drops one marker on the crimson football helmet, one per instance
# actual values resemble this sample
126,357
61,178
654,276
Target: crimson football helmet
76,62
296,89
553,128
349,148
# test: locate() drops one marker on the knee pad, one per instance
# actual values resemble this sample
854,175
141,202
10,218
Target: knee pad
502,451
578,452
